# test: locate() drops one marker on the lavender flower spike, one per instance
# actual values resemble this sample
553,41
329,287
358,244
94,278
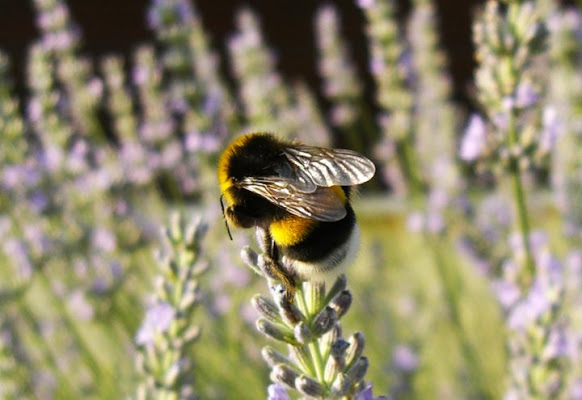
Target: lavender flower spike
167,332
320,363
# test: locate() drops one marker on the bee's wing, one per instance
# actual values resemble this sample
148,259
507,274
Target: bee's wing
321,204
329,167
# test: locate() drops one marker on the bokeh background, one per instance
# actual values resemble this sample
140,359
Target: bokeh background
117,27
468,281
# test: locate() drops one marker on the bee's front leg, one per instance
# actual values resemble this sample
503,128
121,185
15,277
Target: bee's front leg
274,267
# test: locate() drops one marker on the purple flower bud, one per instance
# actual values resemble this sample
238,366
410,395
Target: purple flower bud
276,391
474,140
366,394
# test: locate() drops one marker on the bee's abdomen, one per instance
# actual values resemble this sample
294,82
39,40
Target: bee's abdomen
321,239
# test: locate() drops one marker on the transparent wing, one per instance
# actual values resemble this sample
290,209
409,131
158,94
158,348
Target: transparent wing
329,167
322,204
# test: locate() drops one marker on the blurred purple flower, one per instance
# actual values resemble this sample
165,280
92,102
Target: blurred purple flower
575,392
549,270
18,251
205,143
165,12
39,201
37,239
212,102
51,158
140,74
527,311
377,65
558,345
230,271
435,222
79,305
113,272
34,109
170,155
342,114
526,95
54,18
95,87
249,314
551,129
474,139
501,120
155,130
157,320
507,293
366,3
61,40
103,240
276,391
221,304
77,157
404,359
415,222
19,175
538,240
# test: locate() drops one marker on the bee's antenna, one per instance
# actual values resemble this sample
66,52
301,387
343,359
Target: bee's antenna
224,217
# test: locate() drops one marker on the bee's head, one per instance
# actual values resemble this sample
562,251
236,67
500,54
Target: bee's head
249,155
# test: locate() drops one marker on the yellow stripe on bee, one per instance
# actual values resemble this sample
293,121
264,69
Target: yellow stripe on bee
291,230
224,161
340,193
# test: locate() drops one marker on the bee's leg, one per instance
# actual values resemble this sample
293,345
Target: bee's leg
275,268
275,271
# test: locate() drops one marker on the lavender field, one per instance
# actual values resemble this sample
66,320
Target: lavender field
118,279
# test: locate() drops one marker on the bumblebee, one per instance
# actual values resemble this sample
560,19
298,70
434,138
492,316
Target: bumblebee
300,195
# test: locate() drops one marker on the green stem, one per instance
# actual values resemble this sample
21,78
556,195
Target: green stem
519,199
317,361
410,167
87,355
314,349
451,284
40,344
